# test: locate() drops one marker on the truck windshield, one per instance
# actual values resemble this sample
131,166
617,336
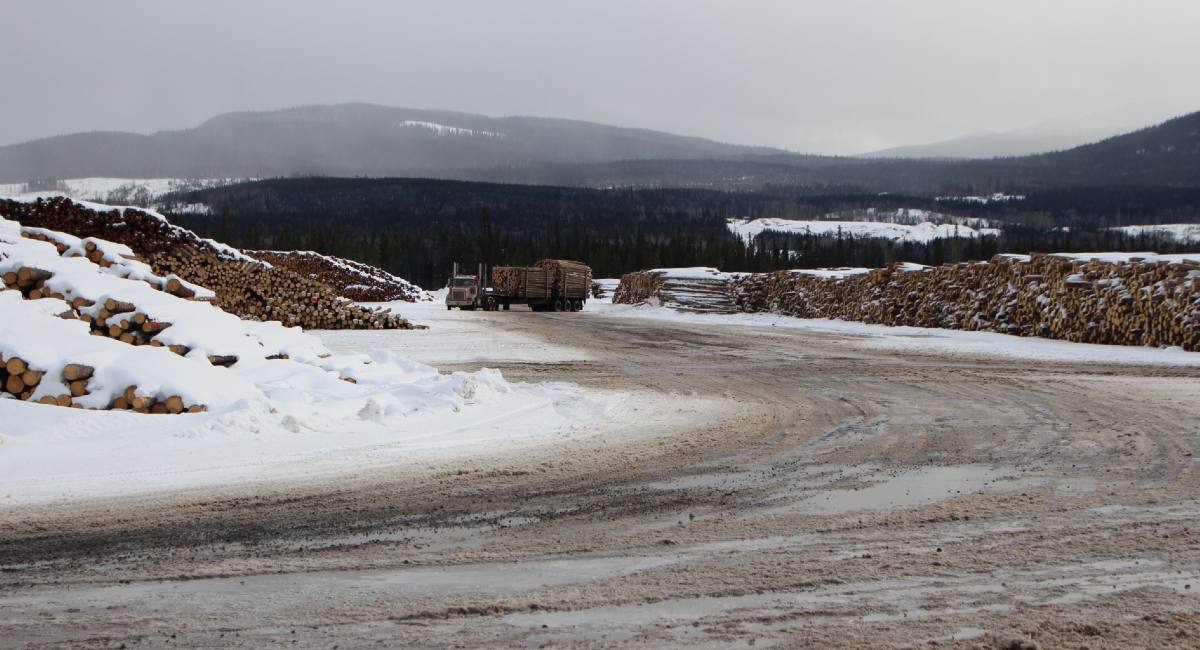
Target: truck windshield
462,282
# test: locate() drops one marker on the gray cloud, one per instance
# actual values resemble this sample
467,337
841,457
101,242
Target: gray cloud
822,76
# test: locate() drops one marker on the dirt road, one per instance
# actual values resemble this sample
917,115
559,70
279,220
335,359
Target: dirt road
840,498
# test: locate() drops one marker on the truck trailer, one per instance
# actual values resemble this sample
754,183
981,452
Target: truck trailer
548,285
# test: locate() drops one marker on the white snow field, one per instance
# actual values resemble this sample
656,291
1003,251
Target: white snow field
453,337
998,197
922,232
1120,257
1186,233
443,129
102,188
309,414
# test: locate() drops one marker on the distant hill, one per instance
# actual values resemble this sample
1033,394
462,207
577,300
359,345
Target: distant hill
1003,144
1164,155
347,140
365,140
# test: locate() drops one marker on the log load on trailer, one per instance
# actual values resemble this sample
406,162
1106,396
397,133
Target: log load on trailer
548,285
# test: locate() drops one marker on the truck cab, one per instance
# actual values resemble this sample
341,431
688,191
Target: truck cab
463,291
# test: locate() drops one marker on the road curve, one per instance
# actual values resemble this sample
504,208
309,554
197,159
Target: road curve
839,498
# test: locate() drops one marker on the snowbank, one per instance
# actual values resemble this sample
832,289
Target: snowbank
286,399
175,352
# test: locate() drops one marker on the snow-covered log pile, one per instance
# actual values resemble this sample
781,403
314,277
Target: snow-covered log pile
84,325
350,279
244,286
700,289
1125,299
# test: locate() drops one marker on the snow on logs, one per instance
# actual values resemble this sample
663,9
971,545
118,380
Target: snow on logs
350,279
1103,298
242,285
104,331
699,289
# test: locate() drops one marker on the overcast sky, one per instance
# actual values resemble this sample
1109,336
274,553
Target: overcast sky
837,76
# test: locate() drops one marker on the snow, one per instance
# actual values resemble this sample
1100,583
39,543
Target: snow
1188,233
917,339
267,418
455,337
1121,257
119,255
224,250
304,430
998,197
832,273
923,232
32,331
607,287
442,129
693,273
370,274
101,188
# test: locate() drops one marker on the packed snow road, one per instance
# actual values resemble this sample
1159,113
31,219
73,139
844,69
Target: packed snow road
778,487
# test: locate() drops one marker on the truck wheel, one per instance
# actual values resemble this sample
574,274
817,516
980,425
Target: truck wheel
558,305
578,306
449,308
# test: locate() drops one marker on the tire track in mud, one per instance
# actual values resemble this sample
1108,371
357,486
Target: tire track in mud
709,525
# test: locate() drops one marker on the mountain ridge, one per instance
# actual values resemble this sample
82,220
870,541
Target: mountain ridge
346,139
350,140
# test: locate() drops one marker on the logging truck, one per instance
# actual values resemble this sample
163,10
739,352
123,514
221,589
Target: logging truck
548,285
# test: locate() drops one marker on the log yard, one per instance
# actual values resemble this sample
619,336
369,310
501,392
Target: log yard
715,325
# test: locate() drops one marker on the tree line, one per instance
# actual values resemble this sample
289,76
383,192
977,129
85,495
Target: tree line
417,228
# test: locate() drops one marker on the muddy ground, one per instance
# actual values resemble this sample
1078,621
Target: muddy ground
838,498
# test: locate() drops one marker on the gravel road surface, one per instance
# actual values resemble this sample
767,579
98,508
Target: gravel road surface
803,492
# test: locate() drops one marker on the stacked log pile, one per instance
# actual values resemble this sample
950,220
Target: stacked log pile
1135,302
20,381
112,318
569,278
530,282
694,290
244,286
349,279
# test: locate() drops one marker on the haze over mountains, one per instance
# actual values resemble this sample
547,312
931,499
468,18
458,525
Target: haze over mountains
347,140
998,144
1043,137
370,140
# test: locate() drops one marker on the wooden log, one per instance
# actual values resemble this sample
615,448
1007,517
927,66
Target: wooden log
15,366
76,371
14,385
173,404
